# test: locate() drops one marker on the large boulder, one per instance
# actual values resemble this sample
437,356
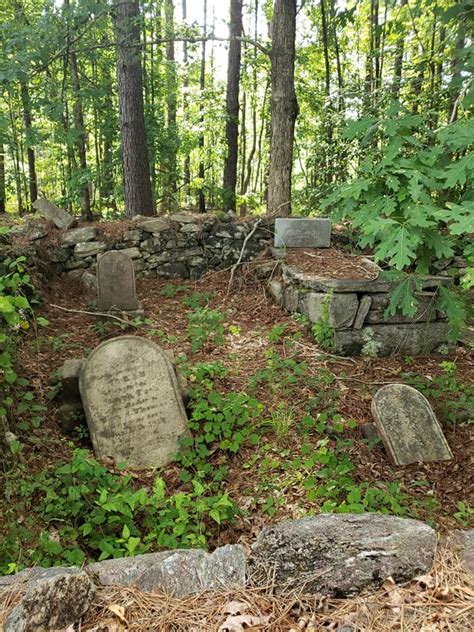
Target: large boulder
178,573
52,604
341,554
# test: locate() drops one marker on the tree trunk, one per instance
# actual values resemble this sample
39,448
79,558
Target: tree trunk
27,120
136,170
202,86
170,162
3,190
398,65
284,107
456,67
187,159
232,106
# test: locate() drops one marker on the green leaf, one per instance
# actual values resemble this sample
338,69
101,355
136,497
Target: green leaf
457,172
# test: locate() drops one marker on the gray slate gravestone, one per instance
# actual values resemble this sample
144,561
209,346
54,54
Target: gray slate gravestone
302,232
132,401
116,282
408,426
58,216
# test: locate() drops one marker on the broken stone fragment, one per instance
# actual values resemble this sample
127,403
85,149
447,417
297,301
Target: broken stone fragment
59,217
52,604
179,573
342,554
79,235
89,248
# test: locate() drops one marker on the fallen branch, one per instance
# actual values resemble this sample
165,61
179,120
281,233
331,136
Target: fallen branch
239,260
105,314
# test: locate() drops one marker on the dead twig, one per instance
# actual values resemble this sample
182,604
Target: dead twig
105,314
239,260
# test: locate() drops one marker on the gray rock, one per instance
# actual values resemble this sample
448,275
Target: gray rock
342,308
364,306
275,287
133,252
463,542
89,248
37,231
58,216
419,338
182,218
173,271
79,235
116,288
69,376
369,432
154,225
132,235
408,426
58,254
75,264
71,415
52,604
178,573
190,228
425,310
36,573
342,554
302,232
89,281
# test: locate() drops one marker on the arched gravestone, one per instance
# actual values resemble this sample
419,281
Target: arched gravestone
116,282
408,426
132,401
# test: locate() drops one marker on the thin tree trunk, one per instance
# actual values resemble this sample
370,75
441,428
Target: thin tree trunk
398,64
27,120
202,86
187,159
263,126
456,67
136,170
284,107
324,27
3,189
232,106
170,163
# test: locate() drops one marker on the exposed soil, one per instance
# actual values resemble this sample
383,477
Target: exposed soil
344,385
331,263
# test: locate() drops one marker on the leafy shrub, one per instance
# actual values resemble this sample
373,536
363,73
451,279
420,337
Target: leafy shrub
205,326
412,199
89,512
322,331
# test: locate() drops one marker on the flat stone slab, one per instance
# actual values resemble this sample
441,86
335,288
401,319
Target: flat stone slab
153,225
341,554
89,248
116,282
59,217
408,426
342,308
407,339
302,232
178,573
79,235
132,401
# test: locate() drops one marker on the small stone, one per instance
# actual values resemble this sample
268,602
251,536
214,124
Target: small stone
37,231
59,217
275,287
342,308
133,253
173,271
79,235
364,306
69,376
408,426
89,281
369,432
190,228
182,218
52,604
89,248
154,225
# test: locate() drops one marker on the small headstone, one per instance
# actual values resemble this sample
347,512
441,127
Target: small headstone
408,426
116,282
132,401
58,216
302,232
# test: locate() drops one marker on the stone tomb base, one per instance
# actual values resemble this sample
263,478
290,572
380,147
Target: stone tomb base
356,308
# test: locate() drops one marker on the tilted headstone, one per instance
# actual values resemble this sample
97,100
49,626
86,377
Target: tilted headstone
132,401
58,216
302,232
408,426
116,282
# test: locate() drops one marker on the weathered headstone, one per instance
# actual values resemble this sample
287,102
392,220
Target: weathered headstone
302,232
408,426
58,216
132,401
116,282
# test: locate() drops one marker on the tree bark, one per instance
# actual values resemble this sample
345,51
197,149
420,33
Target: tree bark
284,107
398,65
170,162
202,86
136,169
27,121
187,159
232,106
3,190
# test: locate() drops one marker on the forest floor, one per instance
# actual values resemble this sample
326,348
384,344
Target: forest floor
270,355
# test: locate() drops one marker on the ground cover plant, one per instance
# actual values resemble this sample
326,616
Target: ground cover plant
275,424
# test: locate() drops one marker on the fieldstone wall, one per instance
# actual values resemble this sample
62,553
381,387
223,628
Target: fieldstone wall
177,246
356,312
